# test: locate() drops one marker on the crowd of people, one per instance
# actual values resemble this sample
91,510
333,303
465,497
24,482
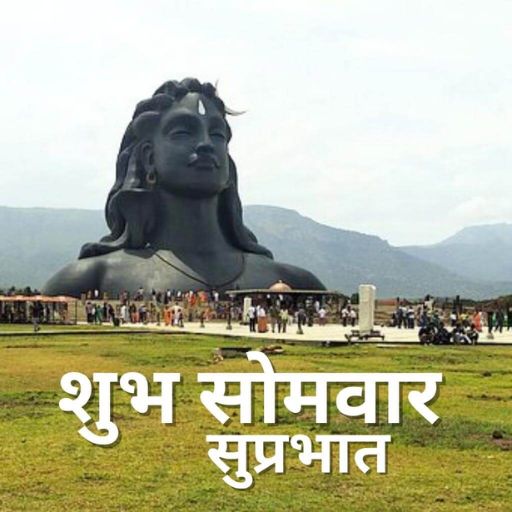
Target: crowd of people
348,315
171,307
405,317
438,334
455,324
276,314
273,313
279,314
257,318
498,319
436,323
158,297
460,325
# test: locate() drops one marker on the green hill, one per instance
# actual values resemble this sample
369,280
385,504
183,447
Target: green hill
39,241
471,250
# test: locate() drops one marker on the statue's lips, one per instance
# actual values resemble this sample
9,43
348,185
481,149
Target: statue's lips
206,162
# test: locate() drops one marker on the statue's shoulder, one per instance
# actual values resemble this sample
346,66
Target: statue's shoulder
96,272
83,275
273,271
299,278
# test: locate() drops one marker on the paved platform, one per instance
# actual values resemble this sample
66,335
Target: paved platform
317,333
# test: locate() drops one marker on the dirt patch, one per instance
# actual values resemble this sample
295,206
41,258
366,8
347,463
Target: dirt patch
484,396
503,444
30,345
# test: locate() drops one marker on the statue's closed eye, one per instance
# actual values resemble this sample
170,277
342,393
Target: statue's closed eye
180,132
218,135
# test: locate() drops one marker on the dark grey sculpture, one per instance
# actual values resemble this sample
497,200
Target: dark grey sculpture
174,213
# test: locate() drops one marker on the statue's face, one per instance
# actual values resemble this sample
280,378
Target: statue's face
190,151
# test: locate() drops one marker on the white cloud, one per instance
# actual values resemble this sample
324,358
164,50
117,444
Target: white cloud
480,209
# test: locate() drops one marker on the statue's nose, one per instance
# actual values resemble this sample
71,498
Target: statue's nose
205,147
204,143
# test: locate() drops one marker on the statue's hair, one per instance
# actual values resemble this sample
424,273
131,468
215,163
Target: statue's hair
130,210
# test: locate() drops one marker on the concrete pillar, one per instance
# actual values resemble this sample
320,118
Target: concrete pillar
247,305
366,307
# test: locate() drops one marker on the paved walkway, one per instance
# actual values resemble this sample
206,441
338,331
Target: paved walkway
315,334
329,332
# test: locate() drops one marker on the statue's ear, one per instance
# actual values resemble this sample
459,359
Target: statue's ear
147,157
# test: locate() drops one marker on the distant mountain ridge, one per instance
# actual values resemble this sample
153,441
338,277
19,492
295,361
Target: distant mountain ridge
36,242
39,241
477,252
482,234
344,259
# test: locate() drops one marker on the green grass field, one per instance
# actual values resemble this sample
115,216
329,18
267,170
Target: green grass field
10,328
46,465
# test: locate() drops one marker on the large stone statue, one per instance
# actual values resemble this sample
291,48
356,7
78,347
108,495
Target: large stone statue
174,213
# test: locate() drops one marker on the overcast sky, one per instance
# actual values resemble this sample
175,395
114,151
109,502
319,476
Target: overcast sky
391,118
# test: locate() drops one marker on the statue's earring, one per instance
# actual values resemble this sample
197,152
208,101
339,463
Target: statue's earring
151,178
146,155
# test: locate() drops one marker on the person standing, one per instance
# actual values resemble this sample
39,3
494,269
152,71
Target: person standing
251,315
322,314
500,320
98,314
410,317
88,312
167,315
477,320
274,317
399,317
143,314
353,317
176,314
344,317
283,316
490,319
111,314
262,319
124,314
301,320
130,312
